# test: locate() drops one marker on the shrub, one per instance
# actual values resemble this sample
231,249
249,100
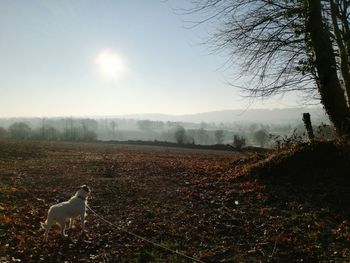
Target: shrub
180,135
238,142
261,137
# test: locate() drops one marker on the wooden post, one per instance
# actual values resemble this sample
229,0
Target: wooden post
308,126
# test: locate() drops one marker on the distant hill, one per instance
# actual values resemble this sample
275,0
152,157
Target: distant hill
226,116
267,116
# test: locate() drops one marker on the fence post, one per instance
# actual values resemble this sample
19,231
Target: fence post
308,126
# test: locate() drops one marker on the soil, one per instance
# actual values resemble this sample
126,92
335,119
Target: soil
216,206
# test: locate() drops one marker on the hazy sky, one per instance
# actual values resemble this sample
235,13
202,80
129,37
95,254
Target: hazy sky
99,57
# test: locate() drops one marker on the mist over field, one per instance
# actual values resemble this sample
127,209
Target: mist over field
209,128
265,116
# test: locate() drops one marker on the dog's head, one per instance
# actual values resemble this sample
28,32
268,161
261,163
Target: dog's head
85,188
83,191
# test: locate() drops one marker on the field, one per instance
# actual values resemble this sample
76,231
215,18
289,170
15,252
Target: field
202,203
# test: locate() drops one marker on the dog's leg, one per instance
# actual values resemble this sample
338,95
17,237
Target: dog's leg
70,224
46,234
82,217
63,227
47,225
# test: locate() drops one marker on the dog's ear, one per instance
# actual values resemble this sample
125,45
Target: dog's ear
85,188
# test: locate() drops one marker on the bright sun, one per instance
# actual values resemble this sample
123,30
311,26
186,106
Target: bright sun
110,64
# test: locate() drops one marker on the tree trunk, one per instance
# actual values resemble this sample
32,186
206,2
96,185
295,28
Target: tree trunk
344,59
332,94
345,26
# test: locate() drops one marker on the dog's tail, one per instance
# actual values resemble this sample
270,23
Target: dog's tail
44,225
48,222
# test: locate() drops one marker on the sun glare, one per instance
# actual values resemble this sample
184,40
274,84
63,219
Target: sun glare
110,64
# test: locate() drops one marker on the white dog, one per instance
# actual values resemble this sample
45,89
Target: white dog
69,210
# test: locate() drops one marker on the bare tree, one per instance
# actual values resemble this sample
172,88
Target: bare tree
219,136
202,136
114,125
266,38
20,130
180,135
261,137
287,45
238,142
3,132
330,87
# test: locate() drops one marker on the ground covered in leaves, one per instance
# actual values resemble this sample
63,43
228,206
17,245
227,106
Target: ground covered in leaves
211,205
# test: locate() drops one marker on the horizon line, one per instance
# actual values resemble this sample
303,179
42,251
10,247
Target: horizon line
153,113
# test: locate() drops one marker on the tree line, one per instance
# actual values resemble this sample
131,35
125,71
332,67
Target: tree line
22,131
69,129
177,133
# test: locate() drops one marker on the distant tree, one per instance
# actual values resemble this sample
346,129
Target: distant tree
158,125
219,136
180,135
79,134
252,128
265,127
238,142
113,126
89,136
190,139
3,133
46,132
145,125
172,124
20,130
51,134
202,136
261,137
203,125
89,124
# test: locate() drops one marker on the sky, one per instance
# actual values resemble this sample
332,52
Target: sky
104,58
